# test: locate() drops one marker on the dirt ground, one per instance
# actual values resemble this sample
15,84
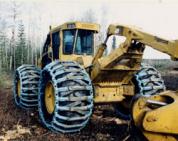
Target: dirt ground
103,126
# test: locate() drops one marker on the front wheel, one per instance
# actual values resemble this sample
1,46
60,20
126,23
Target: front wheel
66,97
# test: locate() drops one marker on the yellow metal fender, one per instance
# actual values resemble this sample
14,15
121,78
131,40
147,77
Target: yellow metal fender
157,116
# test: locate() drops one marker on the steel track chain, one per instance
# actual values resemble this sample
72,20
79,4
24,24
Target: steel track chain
29,77
73,97
149,81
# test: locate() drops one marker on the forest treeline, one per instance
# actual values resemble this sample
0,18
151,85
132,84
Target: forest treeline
16,47
21,41
18,50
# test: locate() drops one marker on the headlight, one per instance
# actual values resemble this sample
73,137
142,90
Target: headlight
71,25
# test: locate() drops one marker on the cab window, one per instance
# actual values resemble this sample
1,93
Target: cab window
78,42
69,37
84,42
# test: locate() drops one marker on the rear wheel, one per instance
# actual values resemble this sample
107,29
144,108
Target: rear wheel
66,97
26,82
148,81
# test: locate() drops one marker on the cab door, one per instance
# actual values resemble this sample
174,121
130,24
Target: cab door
45,56
51,50
55,45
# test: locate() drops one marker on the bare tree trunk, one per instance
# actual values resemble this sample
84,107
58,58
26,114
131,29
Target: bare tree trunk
32,56
1,60
13,47
36,58
14,17
6,61
28,53
22,56
11,57
14,60
10,64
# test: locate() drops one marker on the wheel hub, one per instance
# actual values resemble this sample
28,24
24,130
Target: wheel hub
18,88
49,98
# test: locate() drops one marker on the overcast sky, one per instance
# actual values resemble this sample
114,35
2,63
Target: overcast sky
159,17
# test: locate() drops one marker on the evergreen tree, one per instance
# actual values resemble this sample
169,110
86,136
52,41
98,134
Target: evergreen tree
1,51
21,48
4,46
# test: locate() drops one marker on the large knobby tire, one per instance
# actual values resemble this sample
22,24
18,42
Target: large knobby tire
66,97
148,81
26,84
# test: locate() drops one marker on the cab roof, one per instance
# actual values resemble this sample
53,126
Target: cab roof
76,25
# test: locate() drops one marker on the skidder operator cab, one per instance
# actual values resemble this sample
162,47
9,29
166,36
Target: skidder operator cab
70,41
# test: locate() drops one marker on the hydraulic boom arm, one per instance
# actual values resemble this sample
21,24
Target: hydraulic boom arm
166,46
156,115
